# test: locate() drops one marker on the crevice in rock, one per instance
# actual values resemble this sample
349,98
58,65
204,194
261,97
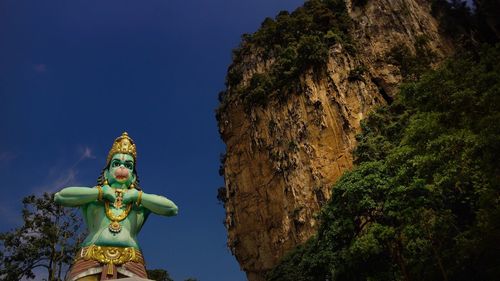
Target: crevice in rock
379,83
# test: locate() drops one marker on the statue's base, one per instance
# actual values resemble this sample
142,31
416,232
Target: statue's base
132,279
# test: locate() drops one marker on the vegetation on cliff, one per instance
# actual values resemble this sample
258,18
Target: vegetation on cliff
294,42
423,200
468,28
397,215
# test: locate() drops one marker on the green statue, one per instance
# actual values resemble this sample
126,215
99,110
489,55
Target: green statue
114,211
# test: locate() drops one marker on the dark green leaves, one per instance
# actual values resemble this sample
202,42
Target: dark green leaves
48,239
423,201
292,43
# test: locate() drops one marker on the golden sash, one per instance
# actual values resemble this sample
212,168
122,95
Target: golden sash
111,256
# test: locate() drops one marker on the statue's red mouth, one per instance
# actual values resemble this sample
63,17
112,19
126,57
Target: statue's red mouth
121,174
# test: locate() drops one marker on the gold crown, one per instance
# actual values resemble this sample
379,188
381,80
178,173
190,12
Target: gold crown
123,144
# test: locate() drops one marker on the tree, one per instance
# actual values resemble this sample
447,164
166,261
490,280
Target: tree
422,201
468,27
296,42
48,239
159,275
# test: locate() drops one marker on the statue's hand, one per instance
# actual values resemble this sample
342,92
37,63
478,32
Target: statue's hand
108,193
130,196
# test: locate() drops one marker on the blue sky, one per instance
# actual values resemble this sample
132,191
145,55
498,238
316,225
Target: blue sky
75,74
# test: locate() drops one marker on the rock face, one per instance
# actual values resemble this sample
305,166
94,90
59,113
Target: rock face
283,158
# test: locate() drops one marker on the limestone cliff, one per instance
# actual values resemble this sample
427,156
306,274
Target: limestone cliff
284,153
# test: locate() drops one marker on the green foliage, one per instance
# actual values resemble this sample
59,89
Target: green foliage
412,65
296,42
455,17
49,238
467,27
488,21
221,195
159,275
423,200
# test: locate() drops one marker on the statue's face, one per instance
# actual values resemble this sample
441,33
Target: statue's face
121,169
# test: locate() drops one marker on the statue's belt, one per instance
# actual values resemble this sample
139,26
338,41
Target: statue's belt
110,256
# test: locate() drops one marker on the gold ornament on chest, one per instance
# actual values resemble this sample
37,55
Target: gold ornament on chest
115,226
119,199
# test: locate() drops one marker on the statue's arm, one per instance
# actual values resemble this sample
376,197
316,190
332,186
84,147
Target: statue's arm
159,205
76,196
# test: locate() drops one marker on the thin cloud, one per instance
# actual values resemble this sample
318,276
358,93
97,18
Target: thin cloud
86,153
6,157
40,68
58,177
65,176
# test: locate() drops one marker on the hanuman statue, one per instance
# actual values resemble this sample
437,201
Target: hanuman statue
114,212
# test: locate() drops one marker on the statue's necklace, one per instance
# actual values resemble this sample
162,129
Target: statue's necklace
115,226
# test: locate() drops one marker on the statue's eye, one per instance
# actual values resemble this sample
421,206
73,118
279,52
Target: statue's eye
116,164
128,166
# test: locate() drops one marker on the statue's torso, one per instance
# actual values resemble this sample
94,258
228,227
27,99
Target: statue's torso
98,223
